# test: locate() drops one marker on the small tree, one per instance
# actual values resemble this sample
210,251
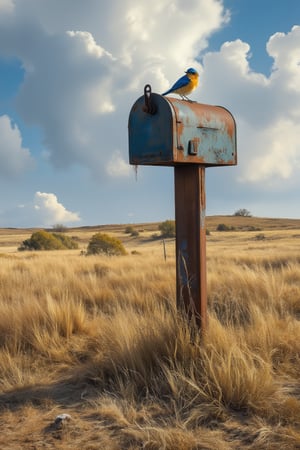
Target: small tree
105,244
167,228
243,213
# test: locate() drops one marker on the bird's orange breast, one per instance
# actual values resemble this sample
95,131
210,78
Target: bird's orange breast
194,78
185,90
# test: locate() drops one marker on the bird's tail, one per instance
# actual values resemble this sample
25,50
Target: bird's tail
167,92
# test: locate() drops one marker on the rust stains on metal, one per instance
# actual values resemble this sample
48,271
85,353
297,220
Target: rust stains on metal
191,242
216,130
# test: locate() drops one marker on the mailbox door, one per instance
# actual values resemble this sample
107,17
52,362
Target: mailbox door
152,137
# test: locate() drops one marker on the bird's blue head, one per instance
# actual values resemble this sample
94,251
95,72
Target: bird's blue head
192,71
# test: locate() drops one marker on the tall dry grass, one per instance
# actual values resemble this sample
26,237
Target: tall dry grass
100,339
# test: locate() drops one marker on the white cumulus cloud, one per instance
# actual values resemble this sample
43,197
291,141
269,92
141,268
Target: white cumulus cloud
117,167
86,66
51,211
267,109
14,158
88,43
6,6
43,211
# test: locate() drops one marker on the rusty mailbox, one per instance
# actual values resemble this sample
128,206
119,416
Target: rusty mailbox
190,136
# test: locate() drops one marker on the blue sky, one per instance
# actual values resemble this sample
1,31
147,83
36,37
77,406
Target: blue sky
71,70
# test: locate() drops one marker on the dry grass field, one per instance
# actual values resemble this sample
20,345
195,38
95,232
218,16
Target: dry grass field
99,339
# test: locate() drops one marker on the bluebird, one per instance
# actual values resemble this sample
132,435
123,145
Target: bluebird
185,85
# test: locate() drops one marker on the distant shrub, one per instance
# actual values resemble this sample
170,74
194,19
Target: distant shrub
252,228
167,228
135,252
60,228
43,240
260,237
129,229
105,244
207,232
155,236
223,227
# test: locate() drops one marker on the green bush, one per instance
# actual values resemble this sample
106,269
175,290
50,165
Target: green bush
167,228
105,244
66,241
223,227
43,240
129,229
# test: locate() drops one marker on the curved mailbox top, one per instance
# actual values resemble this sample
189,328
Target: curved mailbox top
181,132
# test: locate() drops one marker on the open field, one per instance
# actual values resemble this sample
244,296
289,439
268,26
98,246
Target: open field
11,238
99,338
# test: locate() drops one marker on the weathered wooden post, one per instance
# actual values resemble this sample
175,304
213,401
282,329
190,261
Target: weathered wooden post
190,136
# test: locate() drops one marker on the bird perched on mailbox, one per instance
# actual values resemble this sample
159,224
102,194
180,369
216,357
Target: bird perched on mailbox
185,85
